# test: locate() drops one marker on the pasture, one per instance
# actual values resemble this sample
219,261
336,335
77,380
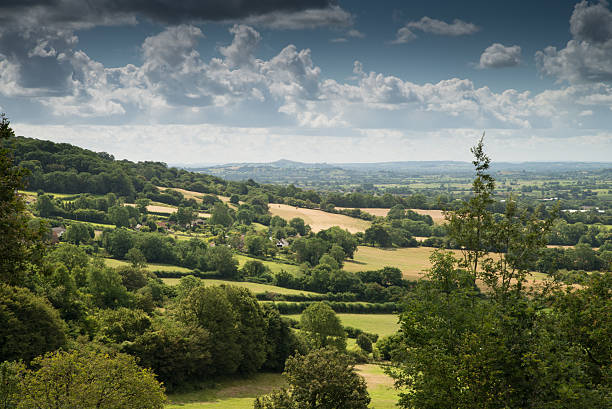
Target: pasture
412,261
274,266
318,219
240,393
381,324
256,288
111,262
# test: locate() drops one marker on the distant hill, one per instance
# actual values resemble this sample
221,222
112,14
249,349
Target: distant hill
300,173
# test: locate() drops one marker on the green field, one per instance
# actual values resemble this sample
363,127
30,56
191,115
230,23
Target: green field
412,261
230,394
256,288
110,262
274,266
240,393
381,324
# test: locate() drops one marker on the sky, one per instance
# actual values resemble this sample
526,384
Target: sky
205,82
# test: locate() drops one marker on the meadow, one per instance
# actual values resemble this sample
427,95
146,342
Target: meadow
318,219
240,393
381,324
256,288
274,266
412,261
111,262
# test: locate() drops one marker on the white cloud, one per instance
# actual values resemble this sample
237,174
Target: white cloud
433,26
587,57
499,56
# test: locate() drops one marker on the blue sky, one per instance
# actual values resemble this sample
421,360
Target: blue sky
311,80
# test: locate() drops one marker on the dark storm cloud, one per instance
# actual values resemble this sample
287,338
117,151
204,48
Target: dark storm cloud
79,12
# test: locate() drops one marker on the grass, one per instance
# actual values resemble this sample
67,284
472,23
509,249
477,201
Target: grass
380,386
255,288
412,261
228,394
111,262
318,219
274,266
381,324
240,393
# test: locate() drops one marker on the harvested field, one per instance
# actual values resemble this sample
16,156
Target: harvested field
318,219
166,209
380,212
436,215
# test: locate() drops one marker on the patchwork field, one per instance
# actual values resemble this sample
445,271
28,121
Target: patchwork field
240,393
318,219
381,324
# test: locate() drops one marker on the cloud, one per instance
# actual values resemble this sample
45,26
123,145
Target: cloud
433,26
78,13
499,56
174,83
332,16
587,57
352,33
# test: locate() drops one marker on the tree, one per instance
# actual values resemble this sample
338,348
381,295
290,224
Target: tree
298,224
184,215
10,375
119,216
122,324
251,328
281,341
220,215
45,206
21,244
488,349
209,308
141,205
83,379
77,233
323,379
136,258
178,353
29,326
377,234
117,242
106,288
365,343
221,259
322,327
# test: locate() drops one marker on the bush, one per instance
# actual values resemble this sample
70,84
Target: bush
365,343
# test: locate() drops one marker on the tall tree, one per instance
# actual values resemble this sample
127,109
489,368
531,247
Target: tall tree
322,326
21,244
